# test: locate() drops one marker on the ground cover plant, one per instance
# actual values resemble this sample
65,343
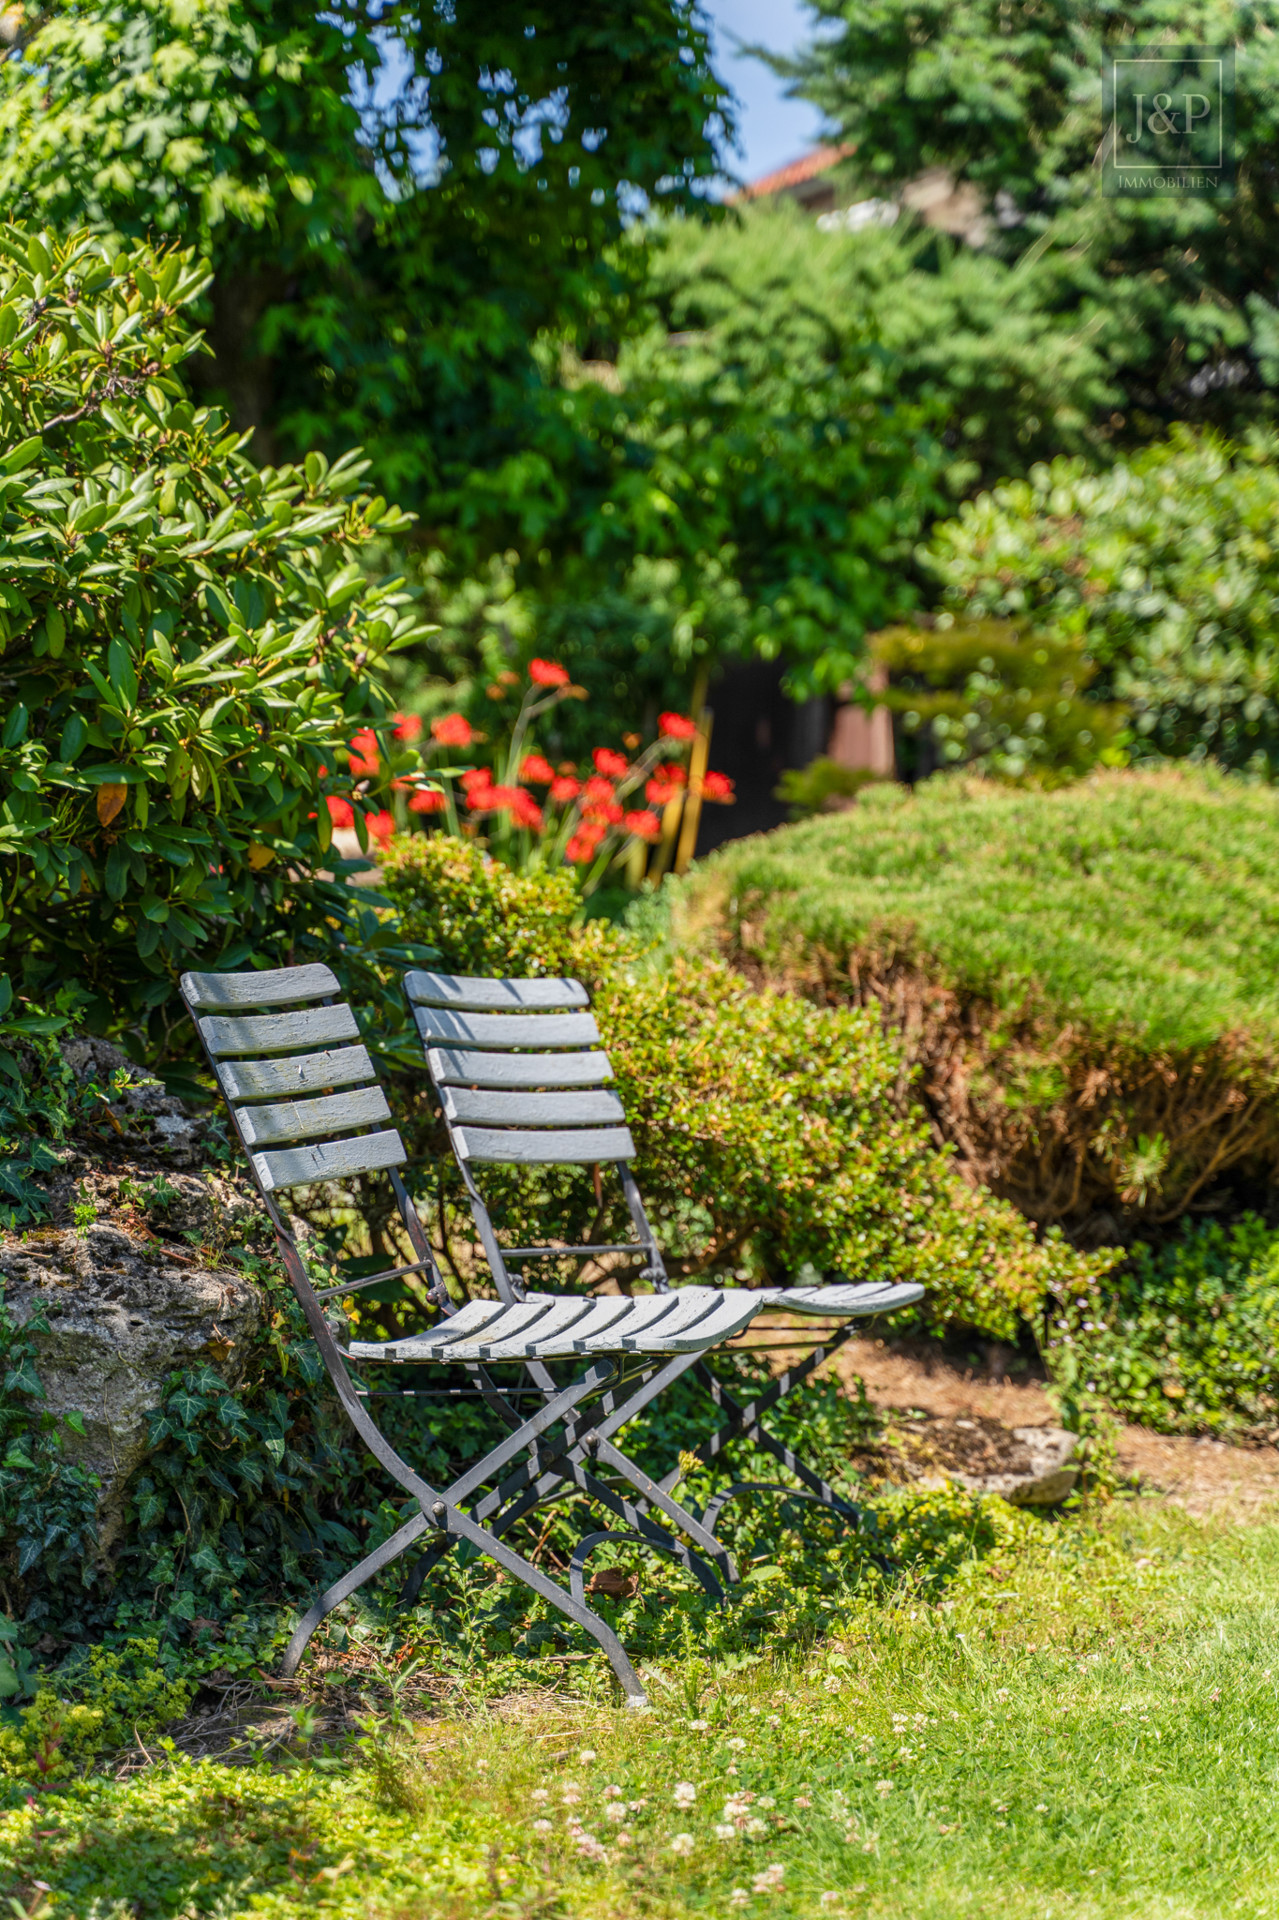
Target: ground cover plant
1085,978
1086,1727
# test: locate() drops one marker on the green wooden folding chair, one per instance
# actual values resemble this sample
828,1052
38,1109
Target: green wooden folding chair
521,1076
308,1111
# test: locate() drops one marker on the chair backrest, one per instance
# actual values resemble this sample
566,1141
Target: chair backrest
519,1069
300,1086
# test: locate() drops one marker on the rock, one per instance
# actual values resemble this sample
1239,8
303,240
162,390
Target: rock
124,1311
148,1116
1028,1466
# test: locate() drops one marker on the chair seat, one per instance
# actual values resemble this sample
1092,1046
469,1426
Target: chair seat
550,1327
844,1299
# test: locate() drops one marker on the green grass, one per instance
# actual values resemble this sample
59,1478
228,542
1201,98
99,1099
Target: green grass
1143,908
1089,1732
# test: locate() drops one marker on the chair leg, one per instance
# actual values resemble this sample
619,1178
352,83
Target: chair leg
342,1589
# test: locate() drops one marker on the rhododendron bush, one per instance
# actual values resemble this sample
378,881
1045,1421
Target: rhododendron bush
495,787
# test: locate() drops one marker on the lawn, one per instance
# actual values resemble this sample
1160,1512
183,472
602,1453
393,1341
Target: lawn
1089,1729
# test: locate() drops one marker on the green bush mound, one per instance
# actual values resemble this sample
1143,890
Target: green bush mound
1086,978
772,1136
1184,1338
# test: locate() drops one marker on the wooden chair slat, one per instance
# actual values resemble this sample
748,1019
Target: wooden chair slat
279,1032
465,1106
585,1147
332,1160
306,1073
308,1119
507,1029
467,993
210,992
455,1067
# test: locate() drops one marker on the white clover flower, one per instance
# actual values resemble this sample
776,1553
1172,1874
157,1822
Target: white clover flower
883,1786
682,1843
699,1726
636,1806
612,1793
802,1800
685,1793
771,1880
738,1897
539,1793
542,1826
589,1847
624,1839
832,1685
615,1812
570,1793
766,1800
727,1831
737,1744
754,1827
1041,1808
587,1753
774,1720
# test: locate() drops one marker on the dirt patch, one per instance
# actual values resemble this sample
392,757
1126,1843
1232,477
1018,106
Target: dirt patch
1203,1476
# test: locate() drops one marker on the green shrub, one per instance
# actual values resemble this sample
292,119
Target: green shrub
105,1701
997,702
187,639
1086,977
1184,1338
771,1136
1164,569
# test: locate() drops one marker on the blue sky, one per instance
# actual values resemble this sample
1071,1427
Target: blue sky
772,128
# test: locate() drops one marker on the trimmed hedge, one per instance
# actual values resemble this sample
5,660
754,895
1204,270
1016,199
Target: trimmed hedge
772,1136
1088,978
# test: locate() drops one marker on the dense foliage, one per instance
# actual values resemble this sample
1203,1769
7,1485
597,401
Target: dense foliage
1087,976
187,640
394,203
1162,570
979,694
1165,305
770,1135
1184,1338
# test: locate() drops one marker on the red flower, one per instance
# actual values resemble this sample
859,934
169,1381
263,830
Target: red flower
675,726
488,799
364,755
665,785
534,768
476,777
613,764
341,812
562,788
381,826
645,825
452,730
547,673
408,727
607,815
525,811
718,787
579,850
429,800
595,791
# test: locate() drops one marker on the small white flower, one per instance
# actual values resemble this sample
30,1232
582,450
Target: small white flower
883,1786
1041,1808
587,1753
685,1793
542,1826
636,1806
737,1743
624,1839
774,1720
1001,1693
754,1828
612,1793
771,1880
539,1793
726,1832
766,1801
738,1897
570,1793
832,1685
699,1726
802,1800
615,1812
682,1843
